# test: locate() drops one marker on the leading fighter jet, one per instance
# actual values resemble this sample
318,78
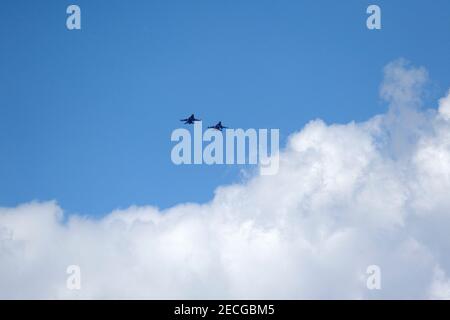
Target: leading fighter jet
218,126
190,120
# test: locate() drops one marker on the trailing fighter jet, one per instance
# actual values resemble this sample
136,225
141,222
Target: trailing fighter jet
190,120
218,126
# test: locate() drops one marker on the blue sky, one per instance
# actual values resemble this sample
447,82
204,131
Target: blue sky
86,116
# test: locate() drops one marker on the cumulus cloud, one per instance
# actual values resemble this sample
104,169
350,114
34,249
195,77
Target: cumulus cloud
346,197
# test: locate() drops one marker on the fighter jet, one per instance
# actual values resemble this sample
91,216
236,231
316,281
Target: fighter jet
190,120
218,126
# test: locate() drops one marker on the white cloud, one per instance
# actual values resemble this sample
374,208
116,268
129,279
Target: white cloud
444,106
440,288
346,197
